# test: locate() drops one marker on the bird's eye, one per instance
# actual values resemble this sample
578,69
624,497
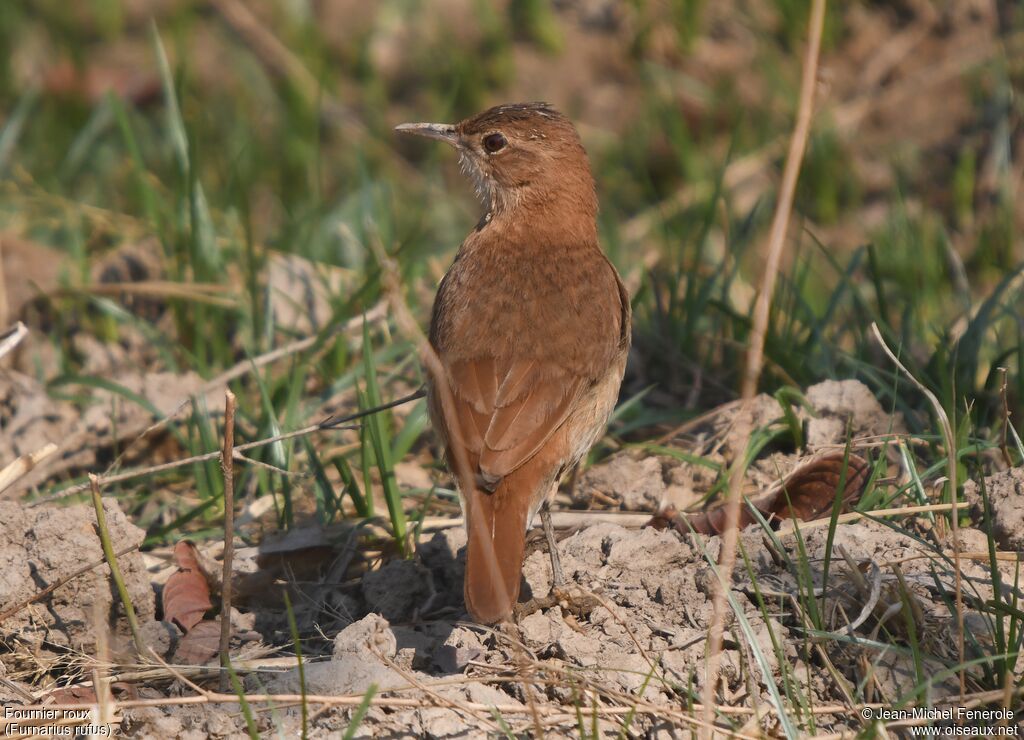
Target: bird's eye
494,143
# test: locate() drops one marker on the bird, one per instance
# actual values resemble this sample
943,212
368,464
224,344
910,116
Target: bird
530,329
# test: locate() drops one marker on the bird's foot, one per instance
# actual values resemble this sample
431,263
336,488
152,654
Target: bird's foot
574,601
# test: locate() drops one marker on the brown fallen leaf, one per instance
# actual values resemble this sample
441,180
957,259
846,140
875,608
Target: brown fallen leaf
28,269
73,695
186,598
200,644
186,595
79,694
807,493
92,82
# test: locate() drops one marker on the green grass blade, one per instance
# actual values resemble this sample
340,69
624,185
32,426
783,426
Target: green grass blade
351,486
359,713
327,503
379,432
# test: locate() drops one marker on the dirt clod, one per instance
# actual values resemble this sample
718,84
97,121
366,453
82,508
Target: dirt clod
1005,491
39,546
838,403
638,485
361,654
397,590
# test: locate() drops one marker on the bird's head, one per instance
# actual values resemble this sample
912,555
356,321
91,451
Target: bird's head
520,154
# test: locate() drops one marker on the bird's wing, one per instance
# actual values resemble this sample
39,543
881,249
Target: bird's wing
507,411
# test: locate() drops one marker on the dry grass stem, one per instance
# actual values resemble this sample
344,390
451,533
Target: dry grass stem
239,370
164,467
438,699
23,464
207,294
227,471
12,337
854,516
440,385
755,352
848,117
559,519
105,710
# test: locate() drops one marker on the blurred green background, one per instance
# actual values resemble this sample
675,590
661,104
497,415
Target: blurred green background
199,142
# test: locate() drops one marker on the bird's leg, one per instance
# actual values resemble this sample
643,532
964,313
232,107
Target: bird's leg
576,603
557,575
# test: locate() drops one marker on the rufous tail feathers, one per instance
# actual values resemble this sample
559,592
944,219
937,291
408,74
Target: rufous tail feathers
496,525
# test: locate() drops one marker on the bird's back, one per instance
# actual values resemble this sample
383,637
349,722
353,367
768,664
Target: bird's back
534,344
557,303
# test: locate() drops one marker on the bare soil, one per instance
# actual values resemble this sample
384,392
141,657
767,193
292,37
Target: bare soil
629,627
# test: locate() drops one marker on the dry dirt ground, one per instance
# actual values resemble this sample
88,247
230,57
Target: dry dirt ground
629,630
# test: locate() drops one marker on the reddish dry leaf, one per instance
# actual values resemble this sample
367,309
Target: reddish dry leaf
73,695
200,645
809,491
92,82
187,557
186,596
806,493
87,694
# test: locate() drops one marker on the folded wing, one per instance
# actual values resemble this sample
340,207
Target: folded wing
508,410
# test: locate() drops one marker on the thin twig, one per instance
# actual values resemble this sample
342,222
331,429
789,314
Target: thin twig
240,369
1004,436
101,687
107,480
269,49
481,718
853,516
755,352
208,697
458,458
334,423
651,662
950,444
227,470
568,712
115,569
7,614
848,116
181,676
12,337
281,62
246,366
559,520
204,293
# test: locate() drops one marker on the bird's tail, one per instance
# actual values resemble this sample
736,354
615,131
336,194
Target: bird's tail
496,526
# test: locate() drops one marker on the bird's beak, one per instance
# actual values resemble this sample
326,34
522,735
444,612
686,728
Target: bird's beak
441,131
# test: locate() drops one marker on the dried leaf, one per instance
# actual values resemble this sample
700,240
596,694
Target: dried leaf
73,695
186,596
94,81
807,493
200,645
